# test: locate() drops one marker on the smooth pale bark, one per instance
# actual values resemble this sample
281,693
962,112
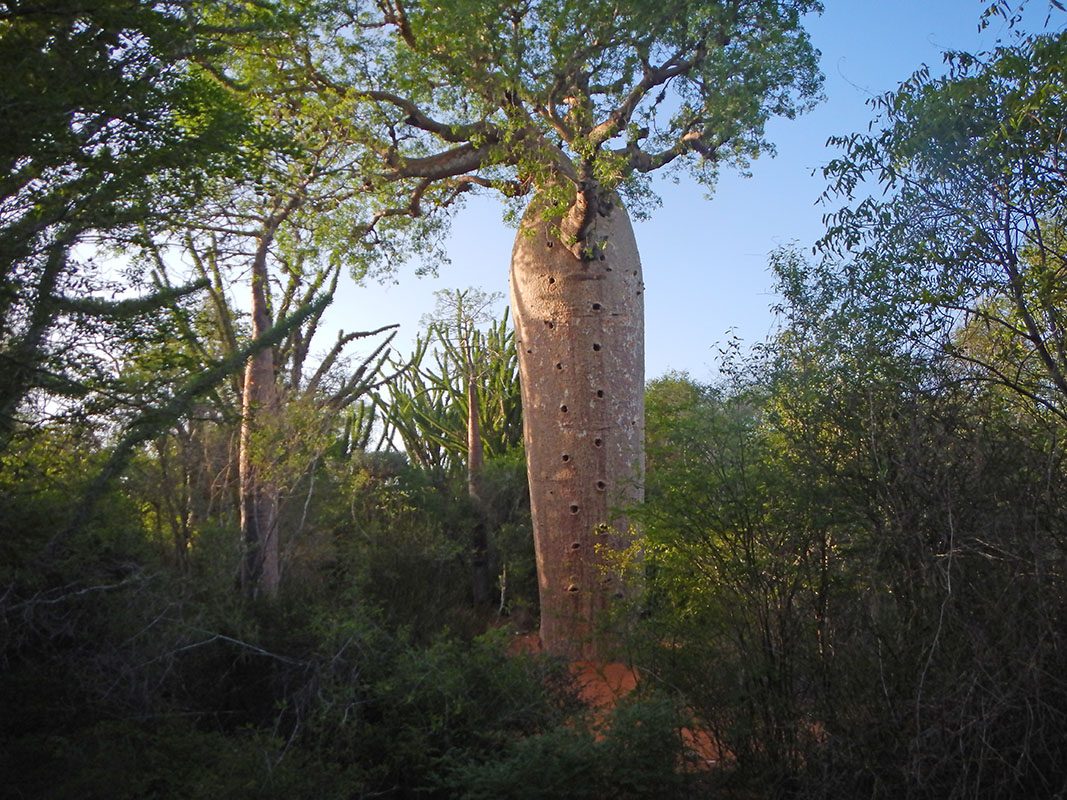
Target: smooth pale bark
579,328
260,569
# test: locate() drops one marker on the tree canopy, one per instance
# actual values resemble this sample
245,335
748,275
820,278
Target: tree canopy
565,96
108,125
969,231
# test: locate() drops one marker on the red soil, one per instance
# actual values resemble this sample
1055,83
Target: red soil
602,685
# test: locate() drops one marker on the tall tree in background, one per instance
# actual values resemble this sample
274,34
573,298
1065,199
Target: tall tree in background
456,318
967,246
578,103
105,125
456,403
285,225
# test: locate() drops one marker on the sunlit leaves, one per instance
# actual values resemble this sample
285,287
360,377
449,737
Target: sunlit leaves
571,92
426,408
966,234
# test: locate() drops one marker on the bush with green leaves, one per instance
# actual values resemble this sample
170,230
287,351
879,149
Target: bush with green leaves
855,575
634,753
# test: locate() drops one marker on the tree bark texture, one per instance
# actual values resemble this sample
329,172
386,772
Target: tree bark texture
260,568
579,327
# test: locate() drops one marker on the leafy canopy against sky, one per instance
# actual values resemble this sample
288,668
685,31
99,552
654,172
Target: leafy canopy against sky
511,95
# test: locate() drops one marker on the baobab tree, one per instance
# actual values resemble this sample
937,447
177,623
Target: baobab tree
576,104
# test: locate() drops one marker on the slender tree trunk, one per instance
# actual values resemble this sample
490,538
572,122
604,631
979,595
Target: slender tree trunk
475,463
579,328
258,496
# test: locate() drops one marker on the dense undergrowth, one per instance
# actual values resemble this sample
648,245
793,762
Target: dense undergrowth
847,593
128,676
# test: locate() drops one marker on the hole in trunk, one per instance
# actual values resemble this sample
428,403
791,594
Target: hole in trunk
566,457
596,347
559,365
601,485
596,306
599,392
574,509
563,409
551,280
572,588
576,546
598,442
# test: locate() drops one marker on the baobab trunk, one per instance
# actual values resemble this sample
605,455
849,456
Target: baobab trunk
579,329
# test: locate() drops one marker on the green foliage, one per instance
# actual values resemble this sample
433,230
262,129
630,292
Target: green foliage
855,563
122,679
172,759
562,97
411,717
107,127
399,537
427,409
427,405
737,581
842,543
969,233
634,752
400,543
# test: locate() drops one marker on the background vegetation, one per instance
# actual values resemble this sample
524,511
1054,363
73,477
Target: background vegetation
852,576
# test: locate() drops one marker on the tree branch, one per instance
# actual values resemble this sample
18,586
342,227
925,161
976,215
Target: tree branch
449,164
343,339
618,119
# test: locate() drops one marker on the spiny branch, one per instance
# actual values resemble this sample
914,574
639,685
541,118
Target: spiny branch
343,339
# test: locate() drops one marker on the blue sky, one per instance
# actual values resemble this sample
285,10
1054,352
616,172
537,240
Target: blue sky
705,261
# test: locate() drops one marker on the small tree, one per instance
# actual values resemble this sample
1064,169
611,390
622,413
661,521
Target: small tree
282,227
464,406
455,317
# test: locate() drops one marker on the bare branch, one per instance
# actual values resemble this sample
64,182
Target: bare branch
653,77
394,14
412,209
692,141
343,339
513,188
457,161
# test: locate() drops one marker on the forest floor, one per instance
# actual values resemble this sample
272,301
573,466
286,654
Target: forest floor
600,684
603,684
